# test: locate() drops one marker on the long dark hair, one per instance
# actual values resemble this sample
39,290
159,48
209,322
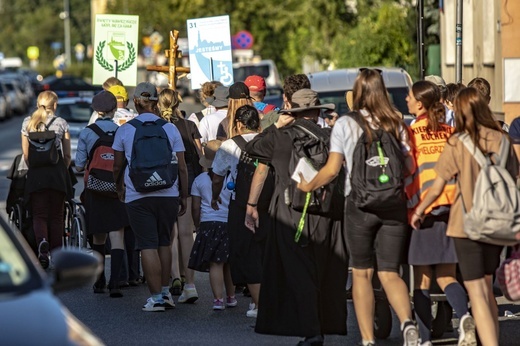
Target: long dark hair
471,112
370,93
429,95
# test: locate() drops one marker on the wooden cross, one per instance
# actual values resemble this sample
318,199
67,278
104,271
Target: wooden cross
172,54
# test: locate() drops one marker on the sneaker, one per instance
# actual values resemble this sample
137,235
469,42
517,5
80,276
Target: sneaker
231,302
43,253
176,287
252,313
427,343
218,304
152,305
367,344
467,335
168,301
188,295
410,334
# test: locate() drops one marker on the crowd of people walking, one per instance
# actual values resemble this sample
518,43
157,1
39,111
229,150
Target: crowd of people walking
227,174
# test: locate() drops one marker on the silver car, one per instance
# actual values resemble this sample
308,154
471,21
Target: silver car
29,311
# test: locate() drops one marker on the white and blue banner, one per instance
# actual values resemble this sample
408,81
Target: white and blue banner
210,50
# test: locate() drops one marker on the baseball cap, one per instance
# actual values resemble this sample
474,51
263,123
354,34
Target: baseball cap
104,102
437,80
146,88
255,83
239,91
119,92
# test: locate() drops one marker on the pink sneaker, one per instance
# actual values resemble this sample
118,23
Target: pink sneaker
218,304
231,302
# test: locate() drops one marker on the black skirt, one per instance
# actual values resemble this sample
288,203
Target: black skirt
104,214
247,248
211,245
430,245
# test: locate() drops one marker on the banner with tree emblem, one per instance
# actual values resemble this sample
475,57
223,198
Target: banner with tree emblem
115,48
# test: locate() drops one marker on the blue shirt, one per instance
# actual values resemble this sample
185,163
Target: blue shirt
124,142
87,139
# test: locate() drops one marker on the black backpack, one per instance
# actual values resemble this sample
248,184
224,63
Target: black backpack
99,175
378,167
42,147
245,170
312,142
153,165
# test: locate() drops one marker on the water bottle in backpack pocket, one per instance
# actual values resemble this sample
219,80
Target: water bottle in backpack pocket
153,165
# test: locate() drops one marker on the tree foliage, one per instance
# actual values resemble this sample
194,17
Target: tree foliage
376,32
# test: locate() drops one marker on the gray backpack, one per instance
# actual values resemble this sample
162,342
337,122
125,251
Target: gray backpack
495,216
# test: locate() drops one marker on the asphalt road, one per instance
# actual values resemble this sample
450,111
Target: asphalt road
121,321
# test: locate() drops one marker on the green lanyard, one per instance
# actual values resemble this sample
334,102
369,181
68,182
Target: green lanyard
383,178
302,219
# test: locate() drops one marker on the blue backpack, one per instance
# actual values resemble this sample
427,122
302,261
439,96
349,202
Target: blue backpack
153,165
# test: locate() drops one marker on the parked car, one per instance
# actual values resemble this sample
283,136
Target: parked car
3,106
15,96
76,111
23,83
30,312
69,86
333,85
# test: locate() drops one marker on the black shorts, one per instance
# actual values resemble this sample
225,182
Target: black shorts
382,237
152,220
477,259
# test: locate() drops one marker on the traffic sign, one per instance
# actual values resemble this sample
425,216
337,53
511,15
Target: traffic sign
243,40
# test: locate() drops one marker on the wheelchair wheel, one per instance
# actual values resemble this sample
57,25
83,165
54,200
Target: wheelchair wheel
382,319
68,218
78,234
16,216
442,319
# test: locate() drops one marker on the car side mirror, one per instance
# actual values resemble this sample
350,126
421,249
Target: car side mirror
74,268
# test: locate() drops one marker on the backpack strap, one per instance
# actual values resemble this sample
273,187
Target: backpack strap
240,142
50,123
98,131
474,150
199,115
504,152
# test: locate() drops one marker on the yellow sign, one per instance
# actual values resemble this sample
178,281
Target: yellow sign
33,52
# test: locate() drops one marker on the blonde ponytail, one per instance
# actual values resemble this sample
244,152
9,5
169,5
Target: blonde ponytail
45,110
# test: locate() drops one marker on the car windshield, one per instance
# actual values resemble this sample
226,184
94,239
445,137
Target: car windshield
14,271
78,112
242,72
397,97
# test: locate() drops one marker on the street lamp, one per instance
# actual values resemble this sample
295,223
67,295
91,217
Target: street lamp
65,16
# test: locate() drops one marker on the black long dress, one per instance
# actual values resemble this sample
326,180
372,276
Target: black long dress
303,284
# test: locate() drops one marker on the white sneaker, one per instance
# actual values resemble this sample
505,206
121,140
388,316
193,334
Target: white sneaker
252,313
168,301
188,295
153,305
410,334
467,335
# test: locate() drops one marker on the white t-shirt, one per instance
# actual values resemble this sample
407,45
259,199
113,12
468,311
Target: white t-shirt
202,188
346,133
121,116
208,126
205,111
227,157
124,140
